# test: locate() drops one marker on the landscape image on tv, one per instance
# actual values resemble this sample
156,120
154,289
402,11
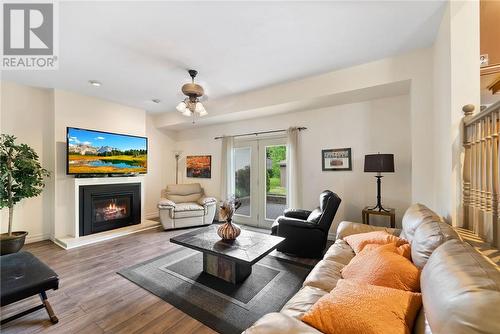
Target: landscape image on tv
95,152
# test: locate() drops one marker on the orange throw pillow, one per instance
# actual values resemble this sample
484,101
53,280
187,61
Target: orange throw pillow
360,240
353,308
404,249
383,266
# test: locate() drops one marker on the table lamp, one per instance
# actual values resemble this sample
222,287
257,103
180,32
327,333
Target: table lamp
379,163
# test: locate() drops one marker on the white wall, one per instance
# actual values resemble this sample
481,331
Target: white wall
441,119
39,117
456,83
414,66
161,166
86,112
381,125
28,113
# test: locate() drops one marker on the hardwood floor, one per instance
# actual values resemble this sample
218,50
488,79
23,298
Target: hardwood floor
92,298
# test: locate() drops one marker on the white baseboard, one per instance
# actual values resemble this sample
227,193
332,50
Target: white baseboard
68,242
150,215
37,237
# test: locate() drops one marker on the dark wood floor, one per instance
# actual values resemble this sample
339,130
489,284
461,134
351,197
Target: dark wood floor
92,298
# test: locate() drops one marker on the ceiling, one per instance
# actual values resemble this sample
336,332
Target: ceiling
141,50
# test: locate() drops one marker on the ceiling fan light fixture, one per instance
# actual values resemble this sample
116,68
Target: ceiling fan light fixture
95,83
181,107
191,104
200,108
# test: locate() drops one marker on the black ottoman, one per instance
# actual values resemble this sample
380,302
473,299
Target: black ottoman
23,276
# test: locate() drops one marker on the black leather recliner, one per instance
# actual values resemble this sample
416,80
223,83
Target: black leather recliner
306,232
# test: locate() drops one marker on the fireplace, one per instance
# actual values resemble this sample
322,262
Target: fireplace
109,206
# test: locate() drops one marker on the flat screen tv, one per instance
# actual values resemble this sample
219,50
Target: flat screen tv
97,152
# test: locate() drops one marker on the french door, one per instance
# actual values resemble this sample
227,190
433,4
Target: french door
259,180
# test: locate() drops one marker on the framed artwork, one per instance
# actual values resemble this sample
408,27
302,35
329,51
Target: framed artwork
199,166
336,159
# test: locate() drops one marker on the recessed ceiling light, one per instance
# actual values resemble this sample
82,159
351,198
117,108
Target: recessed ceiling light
95,83
156,100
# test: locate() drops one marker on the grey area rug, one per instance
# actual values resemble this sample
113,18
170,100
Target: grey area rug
177,278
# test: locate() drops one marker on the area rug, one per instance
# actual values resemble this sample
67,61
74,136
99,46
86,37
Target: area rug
177,278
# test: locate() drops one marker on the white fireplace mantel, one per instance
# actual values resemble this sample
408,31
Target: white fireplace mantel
75,240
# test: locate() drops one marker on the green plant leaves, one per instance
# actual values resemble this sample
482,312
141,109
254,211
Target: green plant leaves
21,174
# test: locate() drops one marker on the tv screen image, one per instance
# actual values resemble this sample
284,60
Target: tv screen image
97,152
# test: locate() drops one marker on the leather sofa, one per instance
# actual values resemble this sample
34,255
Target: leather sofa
305,231
185,205
460,287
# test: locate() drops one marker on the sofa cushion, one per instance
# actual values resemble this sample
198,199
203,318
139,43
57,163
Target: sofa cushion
314,216
353,308
461,290
429,236
166,203
302,301
184,198
324,275
188,207
187,210
184,189
182,193
383,266
347,228
339,252
207,200
360,240
415,215
421,325
279,323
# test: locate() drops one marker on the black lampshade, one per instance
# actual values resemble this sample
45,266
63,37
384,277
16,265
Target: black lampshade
379,163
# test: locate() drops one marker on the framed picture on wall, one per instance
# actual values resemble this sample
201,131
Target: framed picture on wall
336,159
199,166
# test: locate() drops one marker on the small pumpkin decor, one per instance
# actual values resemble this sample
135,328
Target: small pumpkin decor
228,231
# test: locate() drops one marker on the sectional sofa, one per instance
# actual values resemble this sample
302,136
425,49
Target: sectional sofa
460,288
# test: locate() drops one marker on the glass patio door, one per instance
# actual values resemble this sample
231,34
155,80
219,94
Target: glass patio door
259,180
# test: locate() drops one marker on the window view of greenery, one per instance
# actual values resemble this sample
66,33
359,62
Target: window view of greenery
275,180
276,162
242,157
243,182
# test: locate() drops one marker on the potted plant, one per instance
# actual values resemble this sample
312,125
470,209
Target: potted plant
22,177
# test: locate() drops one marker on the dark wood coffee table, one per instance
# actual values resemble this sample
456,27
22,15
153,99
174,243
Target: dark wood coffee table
230,261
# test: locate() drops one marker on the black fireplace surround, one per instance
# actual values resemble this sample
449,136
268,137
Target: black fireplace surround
109,206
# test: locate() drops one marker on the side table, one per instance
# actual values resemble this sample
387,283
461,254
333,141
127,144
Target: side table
367,212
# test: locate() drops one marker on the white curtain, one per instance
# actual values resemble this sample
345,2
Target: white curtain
226,169
294,196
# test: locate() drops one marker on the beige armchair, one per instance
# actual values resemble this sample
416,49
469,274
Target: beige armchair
184,205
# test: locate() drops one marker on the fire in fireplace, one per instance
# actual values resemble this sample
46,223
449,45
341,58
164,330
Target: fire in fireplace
110,209
106,207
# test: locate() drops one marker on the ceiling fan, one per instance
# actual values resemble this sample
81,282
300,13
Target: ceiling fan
191,105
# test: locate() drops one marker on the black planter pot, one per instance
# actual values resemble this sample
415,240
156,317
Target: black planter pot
13,243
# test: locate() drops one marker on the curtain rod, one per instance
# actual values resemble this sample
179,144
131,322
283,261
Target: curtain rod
260,133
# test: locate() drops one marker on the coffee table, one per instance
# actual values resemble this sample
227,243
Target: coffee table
229,261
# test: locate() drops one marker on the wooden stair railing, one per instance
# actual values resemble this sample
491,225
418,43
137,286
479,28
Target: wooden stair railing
480,197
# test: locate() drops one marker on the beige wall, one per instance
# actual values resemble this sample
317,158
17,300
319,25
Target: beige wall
39,117
28,113
456,83
416,67
86,112
161,166
381,125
